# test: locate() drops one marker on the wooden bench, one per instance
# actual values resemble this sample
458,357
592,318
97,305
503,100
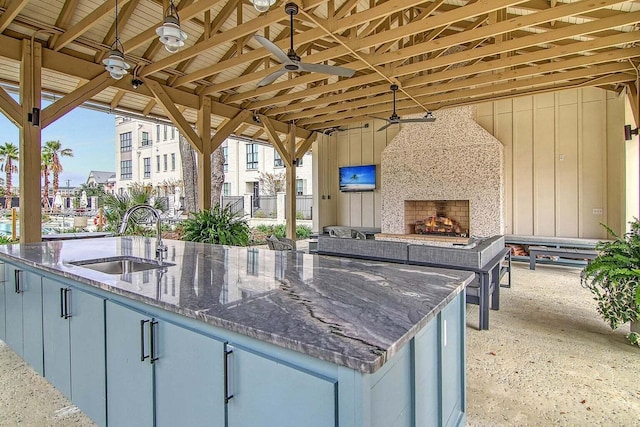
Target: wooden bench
571,253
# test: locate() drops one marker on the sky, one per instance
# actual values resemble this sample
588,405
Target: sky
90,134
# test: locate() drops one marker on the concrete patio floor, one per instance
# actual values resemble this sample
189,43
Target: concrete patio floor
547,359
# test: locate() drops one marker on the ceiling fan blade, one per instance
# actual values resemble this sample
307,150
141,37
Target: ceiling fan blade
384,127
419,120
273,48
327,69
379,118
272,77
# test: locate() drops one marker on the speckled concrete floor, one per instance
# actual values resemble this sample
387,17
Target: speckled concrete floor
547,360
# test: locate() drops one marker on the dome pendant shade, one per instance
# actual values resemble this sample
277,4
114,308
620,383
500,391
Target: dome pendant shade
262,5
115,64
171,36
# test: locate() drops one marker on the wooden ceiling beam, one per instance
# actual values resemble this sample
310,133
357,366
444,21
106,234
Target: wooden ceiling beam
485,51
148,107
15,7
277,143
116,99
11,109
64,18
491,78
168,104
101,12
223,132
304,146
404,107
74,99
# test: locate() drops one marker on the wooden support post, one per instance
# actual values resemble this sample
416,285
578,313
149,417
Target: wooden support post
203,156
30,140
291,185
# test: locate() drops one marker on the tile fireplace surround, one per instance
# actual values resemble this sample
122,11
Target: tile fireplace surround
453,158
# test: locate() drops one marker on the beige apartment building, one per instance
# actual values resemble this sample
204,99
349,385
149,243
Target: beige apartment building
148,153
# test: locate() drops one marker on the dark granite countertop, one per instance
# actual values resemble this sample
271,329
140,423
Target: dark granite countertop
355,313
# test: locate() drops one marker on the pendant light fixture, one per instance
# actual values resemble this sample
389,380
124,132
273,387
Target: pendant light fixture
171,36
262,5
115,63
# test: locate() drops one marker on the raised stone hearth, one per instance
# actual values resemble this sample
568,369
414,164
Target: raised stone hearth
453,158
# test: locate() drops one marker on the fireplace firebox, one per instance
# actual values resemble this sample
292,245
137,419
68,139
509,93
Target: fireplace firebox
437,217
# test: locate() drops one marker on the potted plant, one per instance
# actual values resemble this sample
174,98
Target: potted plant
613,278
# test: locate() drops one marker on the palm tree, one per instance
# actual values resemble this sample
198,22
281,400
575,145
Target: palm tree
55,150
9,156
45,168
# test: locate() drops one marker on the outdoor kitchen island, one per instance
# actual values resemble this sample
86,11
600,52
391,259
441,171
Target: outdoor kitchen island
232,336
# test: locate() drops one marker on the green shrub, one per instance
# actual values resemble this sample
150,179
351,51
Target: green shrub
5,240
303,232
299,215
218,226
259,214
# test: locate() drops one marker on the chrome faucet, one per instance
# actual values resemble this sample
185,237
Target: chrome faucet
160,247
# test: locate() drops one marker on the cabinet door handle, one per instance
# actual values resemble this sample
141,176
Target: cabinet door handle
142,355
16,281
152,340
228,374
67,297
62,302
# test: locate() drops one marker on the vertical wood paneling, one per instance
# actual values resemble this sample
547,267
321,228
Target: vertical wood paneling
567,168
523,172
593,181
342,159
367,214
504,133
380,143
544,171
355,158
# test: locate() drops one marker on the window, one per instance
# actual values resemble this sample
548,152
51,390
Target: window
299,162
147,167
157,133
173,132
225,154
166,162
299,187
173,161
157,163
252,156
145,139
164,133
125,169
226,189
125,141
277,160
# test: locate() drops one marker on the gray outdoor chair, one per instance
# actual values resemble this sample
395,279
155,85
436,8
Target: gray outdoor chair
280,243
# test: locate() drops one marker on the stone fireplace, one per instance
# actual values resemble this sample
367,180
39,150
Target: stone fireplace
437,217
453,159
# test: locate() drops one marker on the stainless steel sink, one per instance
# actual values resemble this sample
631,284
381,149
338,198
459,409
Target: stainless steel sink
121,264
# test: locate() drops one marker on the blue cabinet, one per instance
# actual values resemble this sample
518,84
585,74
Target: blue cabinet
23,299
266,391
161,374
74,346
2,304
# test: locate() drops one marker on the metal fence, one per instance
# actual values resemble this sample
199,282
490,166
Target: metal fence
236,203
264,207
304,206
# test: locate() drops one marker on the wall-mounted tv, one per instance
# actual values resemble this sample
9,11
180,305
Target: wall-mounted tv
358,178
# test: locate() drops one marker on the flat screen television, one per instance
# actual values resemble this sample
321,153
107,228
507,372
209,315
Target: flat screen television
358,178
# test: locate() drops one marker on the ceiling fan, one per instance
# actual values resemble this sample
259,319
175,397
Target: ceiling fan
291,61
395,118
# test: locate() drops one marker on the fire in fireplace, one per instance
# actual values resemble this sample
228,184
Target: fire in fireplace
438,217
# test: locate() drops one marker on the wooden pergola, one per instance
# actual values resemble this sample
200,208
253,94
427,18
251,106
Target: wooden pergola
441,53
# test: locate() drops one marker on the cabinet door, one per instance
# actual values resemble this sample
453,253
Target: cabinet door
55,329
453,362
268,393
2,304
189,377
32,321
129,380
13,301
88,372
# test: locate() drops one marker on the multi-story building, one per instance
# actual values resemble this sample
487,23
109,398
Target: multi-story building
148,153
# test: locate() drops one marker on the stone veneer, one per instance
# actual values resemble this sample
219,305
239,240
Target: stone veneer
453,158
